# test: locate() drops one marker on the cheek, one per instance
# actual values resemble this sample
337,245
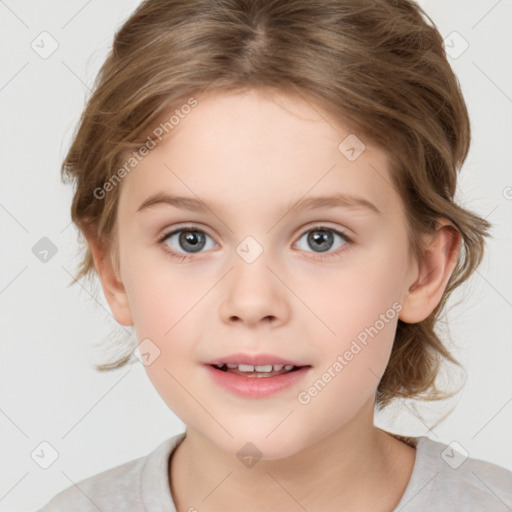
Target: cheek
159,292
349,299
352,358
359,308
165,314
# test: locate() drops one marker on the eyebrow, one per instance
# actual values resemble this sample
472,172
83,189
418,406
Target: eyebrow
310,203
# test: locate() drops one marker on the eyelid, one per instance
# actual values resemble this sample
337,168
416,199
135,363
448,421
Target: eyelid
342,229
166,232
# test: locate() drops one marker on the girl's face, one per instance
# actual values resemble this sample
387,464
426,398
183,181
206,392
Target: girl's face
320,284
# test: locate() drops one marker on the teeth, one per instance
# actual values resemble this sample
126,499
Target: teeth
245,368
268,368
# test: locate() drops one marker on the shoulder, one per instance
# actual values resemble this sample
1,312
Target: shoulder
130,486
446,478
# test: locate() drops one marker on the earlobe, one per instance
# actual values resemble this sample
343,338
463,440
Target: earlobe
433,273
111,283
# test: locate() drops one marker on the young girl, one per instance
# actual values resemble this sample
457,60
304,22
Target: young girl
267,193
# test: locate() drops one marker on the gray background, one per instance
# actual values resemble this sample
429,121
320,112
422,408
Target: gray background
50,391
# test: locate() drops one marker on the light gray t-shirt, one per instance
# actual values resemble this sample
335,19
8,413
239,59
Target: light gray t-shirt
441,480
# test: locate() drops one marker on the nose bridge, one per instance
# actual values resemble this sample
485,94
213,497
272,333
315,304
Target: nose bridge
254,293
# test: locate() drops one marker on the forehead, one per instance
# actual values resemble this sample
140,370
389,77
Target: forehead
258,147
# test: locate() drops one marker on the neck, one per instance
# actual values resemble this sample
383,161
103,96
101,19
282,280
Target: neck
358,467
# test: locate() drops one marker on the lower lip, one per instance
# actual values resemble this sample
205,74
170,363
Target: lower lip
256,387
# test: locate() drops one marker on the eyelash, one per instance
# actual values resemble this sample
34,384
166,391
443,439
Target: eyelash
316,256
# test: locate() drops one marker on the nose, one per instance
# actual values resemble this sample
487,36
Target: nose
254,294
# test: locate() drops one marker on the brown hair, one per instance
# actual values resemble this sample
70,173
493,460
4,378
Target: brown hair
378,65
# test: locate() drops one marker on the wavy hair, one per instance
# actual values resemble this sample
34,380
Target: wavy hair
378,65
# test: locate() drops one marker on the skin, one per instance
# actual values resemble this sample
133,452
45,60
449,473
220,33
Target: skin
254,153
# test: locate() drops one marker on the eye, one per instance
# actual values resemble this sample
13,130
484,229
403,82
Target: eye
323,239
183,242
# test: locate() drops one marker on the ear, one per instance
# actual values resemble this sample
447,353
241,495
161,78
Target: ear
432,273
111,283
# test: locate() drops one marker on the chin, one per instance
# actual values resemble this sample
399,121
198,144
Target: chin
255,447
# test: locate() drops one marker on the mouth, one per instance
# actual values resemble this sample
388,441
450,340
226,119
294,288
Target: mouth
257,371
253,381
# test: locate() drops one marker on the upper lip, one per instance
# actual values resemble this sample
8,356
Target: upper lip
253,359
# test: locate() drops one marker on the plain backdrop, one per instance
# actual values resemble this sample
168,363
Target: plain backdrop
50,390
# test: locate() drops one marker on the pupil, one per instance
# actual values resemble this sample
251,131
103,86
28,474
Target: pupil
322,239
